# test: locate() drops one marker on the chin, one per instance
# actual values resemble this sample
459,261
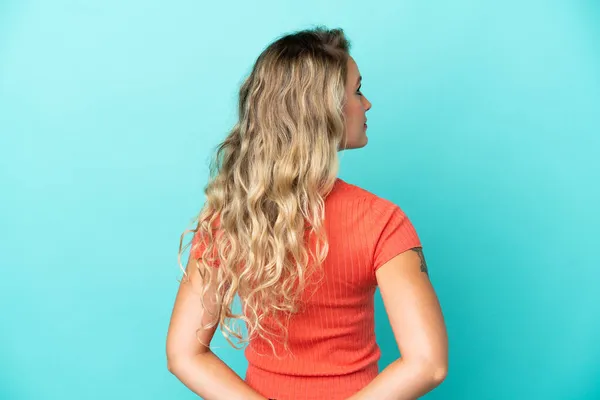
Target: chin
356,143
363,142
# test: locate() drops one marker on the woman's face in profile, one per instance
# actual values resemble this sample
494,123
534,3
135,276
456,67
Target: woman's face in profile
355,109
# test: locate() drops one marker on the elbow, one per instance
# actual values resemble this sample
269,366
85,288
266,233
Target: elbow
179,363
432,373
436,372
173,364
170,366
434,367
439,373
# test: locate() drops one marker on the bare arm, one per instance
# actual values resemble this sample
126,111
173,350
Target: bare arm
418,325
195,365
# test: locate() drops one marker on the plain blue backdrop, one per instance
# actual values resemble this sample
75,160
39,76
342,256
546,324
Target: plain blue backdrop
484,128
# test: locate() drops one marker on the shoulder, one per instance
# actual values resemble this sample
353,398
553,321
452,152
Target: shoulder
377,205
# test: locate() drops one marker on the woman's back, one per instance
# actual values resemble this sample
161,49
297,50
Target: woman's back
280,231
332,340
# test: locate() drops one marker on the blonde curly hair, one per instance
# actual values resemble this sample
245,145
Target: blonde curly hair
268,181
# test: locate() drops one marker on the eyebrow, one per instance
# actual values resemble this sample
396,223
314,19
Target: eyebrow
359,80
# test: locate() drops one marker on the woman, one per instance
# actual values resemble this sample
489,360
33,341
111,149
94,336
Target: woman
303,249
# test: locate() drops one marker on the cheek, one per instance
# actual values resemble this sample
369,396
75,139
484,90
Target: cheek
354,111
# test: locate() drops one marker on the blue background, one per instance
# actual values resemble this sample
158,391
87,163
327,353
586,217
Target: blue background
484,128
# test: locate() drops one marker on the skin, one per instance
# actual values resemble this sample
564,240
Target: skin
418,325
355,109
419,329
409,298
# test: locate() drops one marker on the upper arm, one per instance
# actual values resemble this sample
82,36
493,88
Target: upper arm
413,309
186,335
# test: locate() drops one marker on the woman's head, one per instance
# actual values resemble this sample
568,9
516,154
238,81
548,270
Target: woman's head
356,106
304,86
298,107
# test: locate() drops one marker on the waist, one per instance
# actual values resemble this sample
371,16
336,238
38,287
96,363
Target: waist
301,387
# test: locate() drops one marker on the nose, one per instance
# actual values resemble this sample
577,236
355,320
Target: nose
367,104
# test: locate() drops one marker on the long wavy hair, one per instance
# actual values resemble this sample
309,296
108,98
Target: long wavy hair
268,181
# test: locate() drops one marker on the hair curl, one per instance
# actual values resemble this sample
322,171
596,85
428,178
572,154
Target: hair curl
268,181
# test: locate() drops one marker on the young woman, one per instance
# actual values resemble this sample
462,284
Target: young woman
302,249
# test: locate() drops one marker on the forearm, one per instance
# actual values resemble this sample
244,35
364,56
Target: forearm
401,380
210,378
